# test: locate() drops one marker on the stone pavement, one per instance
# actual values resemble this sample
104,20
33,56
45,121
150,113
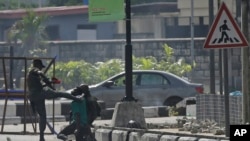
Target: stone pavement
31,136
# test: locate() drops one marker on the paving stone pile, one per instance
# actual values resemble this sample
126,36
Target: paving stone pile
191,125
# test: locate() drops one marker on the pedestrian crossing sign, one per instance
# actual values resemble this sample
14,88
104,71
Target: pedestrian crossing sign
225,32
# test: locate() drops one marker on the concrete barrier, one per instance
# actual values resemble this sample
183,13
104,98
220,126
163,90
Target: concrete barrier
10,109
131,134
169,138
103,134
135,136
149,112
119,135
11,120
150,137
62,108
188,139
203,139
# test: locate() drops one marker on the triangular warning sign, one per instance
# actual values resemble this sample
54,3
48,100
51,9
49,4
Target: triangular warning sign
224,32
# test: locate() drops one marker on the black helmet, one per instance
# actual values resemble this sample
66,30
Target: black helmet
38,63
84,88
79,90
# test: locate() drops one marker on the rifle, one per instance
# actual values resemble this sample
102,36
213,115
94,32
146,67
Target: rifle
46,70
49,65
52,130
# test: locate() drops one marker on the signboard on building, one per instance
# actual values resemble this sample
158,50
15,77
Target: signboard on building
106,10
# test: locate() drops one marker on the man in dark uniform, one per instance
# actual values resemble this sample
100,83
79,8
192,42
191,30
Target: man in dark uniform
40,88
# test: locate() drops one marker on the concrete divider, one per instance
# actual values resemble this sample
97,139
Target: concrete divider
135,136
169,138
203,139
150,137
119,135
62,108
11,120
103,134
188,139
10,109
149,112
130,134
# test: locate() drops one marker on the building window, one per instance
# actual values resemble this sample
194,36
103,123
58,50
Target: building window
86,32
53,32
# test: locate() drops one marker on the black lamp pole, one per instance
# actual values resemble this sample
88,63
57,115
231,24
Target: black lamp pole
128,55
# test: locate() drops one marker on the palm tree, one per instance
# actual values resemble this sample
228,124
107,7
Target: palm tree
31,33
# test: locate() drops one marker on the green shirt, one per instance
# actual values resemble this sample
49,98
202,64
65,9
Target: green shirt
79,107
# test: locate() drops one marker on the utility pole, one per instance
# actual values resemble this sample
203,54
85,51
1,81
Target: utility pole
245,63
128,56
192,33
211,56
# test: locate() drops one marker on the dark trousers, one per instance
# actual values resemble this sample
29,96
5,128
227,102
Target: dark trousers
80,131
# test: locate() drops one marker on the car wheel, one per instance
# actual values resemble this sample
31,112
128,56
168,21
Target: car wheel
172,101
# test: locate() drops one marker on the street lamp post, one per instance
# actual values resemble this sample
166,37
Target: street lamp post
128,55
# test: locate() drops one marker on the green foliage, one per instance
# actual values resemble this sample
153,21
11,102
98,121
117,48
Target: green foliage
74,73
173,111
167,63
141,63
109,68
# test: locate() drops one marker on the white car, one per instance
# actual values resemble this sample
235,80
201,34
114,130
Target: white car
150,87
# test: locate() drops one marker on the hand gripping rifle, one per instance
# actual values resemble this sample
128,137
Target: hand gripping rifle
45,79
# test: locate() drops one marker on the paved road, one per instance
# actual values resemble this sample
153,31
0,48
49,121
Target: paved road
58,125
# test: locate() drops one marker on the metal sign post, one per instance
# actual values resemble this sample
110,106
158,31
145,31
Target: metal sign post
225,33
226,92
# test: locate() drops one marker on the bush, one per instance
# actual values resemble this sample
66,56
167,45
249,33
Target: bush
74,73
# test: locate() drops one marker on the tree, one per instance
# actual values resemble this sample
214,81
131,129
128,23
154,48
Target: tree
30,31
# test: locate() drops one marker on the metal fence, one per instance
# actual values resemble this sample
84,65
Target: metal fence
212,107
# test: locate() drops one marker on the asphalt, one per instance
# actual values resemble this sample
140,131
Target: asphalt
14,132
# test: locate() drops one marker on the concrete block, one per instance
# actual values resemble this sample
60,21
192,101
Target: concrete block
163,111
49,108
119,135
65,107
169,138
107,113
20,109
150,137
191,110
10,109
102,104
126,111
10,120
188,139
135,136
103,134
150,112
204,139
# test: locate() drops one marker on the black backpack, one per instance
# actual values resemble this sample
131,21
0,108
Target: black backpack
93,109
